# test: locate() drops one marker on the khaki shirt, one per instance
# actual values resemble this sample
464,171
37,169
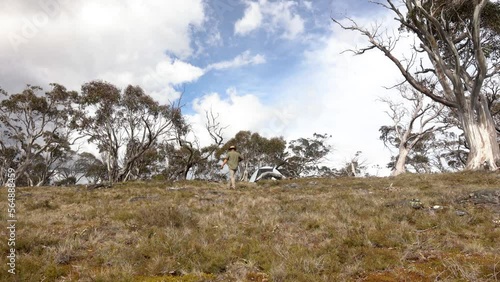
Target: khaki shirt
233,159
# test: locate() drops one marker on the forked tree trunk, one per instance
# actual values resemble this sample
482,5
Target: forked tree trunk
480,133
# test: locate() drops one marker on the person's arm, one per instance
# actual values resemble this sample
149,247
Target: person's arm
223,163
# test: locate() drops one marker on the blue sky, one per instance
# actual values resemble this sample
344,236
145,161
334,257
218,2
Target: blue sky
283,55
273,67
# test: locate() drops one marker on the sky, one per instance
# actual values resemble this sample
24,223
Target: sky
272,67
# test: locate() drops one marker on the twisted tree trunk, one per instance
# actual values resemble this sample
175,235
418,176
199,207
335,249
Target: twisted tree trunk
481,137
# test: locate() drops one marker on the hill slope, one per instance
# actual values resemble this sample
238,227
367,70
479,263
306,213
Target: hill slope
412,227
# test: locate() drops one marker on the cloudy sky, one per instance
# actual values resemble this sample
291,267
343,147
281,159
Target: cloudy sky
268,66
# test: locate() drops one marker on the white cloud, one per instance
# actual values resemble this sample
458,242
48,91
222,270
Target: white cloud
241,60
251,20
282,16
166,75
214,38
177,72
236,107
71,42
275,17
234,110
123,42
307,4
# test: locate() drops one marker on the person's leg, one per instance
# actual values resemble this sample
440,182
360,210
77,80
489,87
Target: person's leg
232,181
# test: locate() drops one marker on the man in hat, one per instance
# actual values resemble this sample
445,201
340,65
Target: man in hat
232,159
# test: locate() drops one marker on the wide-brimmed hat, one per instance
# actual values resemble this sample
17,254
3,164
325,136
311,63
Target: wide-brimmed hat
232,147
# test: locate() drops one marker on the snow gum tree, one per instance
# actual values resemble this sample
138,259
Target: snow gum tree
461,39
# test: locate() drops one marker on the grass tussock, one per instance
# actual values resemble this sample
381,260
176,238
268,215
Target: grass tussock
347,229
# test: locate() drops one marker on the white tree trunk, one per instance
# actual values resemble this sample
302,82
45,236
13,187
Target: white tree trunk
400,166
354,166
481,137
111,166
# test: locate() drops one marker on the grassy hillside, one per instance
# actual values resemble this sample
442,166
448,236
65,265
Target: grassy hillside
371,229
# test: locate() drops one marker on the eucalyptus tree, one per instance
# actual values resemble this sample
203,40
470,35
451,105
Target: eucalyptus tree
35,139
461,40
123,126
304,155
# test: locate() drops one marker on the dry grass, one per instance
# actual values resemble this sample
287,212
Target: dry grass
295,230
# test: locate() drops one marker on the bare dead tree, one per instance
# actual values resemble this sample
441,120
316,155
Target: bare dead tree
190,155
214,127
460,40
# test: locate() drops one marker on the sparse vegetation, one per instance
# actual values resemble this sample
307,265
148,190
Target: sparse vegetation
346,229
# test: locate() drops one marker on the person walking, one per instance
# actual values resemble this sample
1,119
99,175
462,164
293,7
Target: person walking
232,160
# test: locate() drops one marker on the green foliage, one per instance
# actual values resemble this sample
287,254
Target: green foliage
305,154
